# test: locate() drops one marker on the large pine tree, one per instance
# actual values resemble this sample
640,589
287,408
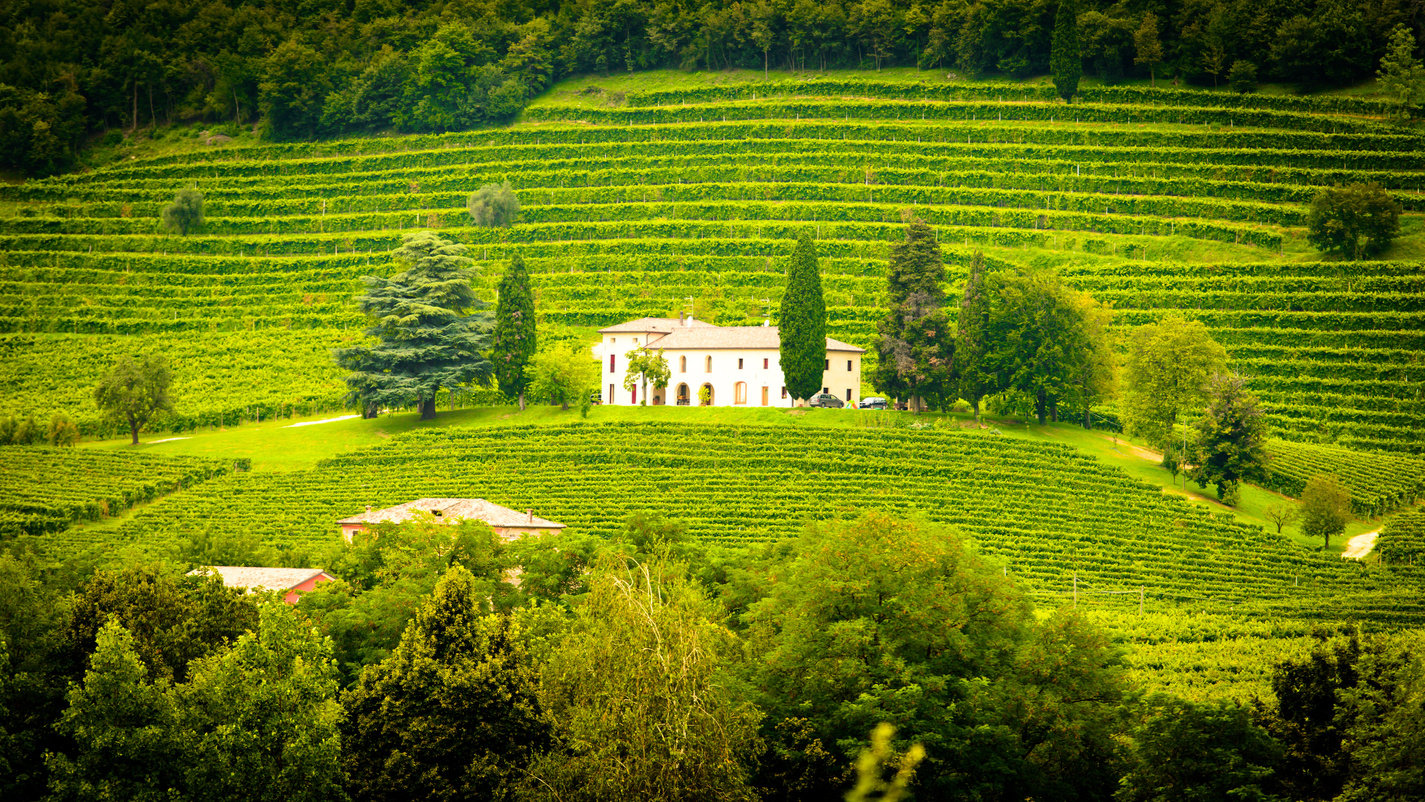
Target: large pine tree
803,323
514,343
428,336
916,345
1065,61
975,378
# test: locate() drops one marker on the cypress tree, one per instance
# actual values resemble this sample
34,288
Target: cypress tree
515,339
915,345
975,379
803,323
1064,59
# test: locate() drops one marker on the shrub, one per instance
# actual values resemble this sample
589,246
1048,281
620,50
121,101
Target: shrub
62,430
494,205
185,214
1242,77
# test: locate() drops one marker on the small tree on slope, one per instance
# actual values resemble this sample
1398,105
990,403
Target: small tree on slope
515,339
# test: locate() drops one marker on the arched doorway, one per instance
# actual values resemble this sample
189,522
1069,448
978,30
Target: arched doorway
705,391
682,395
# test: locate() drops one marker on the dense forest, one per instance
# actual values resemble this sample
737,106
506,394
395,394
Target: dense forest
308,69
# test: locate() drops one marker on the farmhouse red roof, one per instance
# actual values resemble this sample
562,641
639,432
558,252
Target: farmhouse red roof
259,578
661,325
475,509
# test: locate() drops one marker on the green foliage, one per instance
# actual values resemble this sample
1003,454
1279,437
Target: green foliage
121,725
452,713
170,620
802,323
973,373
259,721
646,365
1386,734
1304,714
428,334
1065,62
515,340
494,205
1166,373
563,372
875,619
134,389
1401,75
1402,539
185,214
1355,221
915,345
62,430
873,762
1046,342
1183,750
1325,508
1242,77
292,89
1147,46
639,695
1231,436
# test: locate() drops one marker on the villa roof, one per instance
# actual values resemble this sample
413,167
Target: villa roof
452,509
259,578
742,338
661,325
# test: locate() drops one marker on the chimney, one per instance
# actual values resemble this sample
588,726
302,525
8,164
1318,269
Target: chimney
368,509
680,319
530,513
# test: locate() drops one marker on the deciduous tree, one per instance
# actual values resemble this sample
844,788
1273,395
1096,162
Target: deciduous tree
640,695
427,326
515,340
1149,49
646,365
1231,437
802,323
1325,508
494,206
1166,373
1355,221
563,372
1186,750
1401,75
134,389
1040,339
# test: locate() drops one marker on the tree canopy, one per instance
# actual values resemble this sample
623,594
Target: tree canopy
915,343
1167,370
1231,437
1325,508
134,389
185,214
494,206
1065,62
515,340
429,334
802,323
1355,221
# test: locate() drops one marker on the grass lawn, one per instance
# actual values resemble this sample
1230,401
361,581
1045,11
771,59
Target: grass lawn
280,446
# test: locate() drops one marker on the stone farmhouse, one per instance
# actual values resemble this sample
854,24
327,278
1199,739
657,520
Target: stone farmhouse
290,581
739,365
507,523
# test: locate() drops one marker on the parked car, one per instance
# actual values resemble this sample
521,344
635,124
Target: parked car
826,400
874,402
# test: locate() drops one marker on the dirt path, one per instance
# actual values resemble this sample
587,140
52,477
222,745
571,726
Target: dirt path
1360,545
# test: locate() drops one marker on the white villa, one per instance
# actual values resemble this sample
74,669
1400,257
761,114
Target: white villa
739,365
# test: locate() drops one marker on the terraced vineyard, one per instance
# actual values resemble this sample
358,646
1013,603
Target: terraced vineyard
1045,510
45,490
1154,201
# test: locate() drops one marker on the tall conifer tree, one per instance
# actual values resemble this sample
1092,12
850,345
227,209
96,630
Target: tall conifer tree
803,323
515,338
916,345
1064,57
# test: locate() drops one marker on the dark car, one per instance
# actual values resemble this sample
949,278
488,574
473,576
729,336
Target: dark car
873,402
826,400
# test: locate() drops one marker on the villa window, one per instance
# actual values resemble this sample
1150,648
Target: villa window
739,363
611,363
784,393
765,363
707,368
683,364
848,393
848,364
739,393
828,364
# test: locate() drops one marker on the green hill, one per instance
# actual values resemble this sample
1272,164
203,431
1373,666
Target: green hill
636,201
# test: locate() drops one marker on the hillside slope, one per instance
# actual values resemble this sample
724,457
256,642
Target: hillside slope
636,202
